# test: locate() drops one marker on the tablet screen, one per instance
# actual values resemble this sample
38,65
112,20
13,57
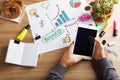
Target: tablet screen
84,44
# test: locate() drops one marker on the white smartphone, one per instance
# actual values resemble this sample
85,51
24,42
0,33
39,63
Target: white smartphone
84,45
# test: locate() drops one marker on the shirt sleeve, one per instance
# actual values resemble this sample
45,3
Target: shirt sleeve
104,70
57,73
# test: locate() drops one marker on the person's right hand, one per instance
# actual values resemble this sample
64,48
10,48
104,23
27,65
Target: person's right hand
99,52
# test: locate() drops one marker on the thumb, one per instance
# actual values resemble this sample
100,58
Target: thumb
78,58
71,47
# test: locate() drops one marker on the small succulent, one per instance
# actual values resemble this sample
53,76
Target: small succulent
101,8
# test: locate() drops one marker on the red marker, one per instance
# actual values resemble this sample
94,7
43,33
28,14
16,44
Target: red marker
115,33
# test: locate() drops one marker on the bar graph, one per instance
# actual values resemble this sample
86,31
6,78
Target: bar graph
63,18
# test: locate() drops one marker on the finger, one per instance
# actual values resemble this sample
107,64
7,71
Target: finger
71,45
71,48
78,58
98,42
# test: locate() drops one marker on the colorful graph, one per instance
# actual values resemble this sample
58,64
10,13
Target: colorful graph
57,13
63,17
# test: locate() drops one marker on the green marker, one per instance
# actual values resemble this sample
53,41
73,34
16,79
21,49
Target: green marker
111,61
99,26
21,36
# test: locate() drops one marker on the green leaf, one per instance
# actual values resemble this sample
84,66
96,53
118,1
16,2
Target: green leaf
115,1
105,19
97,5
95,16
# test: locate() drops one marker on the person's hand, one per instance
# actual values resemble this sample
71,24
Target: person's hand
99,52
68,58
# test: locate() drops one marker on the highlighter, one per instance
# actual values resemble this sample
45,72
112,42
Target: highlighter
21,36
105,29
115,33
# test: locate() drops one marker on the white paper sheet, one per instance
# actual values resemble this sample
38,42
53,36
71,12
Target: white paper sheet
56,21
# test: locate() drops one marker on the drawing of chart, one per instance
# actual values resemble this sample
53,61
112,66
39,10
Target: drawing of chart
63,18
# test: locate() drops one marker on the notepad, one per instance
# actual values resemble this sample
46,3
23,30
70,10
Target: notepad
24,54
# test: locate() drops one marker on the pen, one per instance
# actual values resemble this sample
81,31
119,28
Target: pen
115,33
21,36
105,29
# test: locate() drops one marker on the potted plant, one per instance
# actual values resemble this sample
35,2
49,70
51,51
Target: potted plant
101,9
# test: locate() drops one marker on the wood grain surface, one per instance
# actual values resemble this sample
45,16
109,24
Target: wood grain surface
81,71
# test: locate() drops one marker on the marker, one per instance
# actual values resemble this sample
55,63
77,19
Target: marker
105,29
111,61
21,36
115,33
110,51
99,26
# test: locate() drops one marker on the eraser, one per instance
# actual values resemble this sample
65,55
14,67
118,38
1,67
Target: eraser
111,44
104,42
102,34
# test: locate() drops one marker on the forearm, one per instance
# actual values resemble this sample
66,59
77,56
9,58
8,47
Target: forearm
57,73
105,70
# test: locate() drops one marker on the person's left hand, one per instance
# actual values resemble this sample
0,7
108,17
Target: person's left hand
69,58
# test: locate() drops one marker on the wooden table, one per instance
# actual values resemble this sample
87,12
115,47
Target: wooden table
83,70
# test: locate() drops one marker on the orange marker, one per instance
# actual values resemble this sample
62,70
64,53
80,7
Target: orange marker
105,29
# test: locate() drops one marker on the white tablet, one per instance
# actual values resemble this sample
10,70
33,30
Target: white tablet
84,45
